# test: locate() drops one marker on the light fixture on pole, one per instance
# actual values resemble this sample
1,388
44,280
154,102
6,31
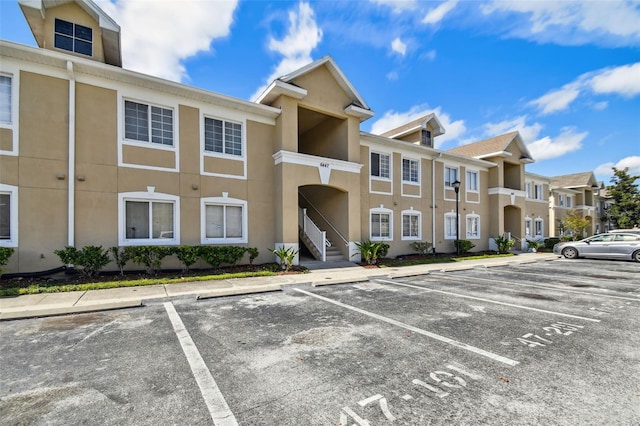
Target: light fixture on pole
456,187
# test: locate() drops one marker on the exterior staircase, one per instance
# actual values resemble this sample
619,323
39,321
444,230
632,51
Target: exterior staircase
334,255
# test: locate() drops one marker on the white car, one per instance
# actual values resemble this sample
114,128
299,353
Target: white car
610,245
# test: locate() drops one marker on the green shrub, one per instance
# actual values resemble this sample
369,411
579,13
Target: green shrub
89,260
504,243
188,255
383,250
120,257
534,245
286,256
550,242
422,248
253,254
5,254
148,256
372,250
463,246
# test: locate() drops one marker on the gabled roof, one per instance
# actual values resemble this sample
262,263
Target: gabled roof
412,126
575,180
495,147
284,84
35,11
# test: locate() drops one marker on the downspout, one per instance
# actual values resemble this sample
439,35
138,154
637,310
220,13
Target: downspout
72,156
433,201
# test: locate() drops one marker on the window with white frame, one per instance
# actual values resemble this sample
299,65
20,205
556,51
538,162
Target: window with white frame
410,170
8,216
537,192
73,37
148,123
561,200
539,227
450,226
411,225
5,98
472,181
224,220
450,176
381,223
148,218
380,165
569,201
528,227
528,189
473,226
224,137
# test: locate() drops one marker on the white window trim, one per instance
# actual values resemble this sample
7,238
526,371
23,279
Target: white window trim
536,221
477,173
411,212
469,236
13,215
204,153
569,202
149,196
449,189
378,178
151,100
530,221
453,236
381,210
417,184
13,124
527,189
204,202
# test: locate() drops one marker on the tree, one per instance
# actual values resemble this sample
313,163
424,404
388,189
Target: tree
625,212
575,223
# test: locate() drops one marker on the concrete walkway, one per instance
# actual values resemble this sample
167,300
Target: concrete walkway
41,305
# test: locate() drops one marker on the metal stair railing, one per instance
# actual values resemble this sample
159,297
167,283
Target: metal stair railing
325,220
317,237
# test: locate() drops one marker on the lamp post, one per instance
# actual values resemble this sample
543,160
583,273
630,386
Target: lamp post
456,187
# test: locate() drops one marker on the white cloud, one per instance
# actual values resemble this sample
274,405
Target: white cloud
438,13
624,81
303,36
528,133
566,142
397,5
392,119
430,55
600,106
158,36
398,46
572,21
632,162
393,75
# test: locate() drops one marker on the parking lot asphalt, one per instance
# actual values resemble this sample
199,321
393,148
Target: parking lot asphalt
552,342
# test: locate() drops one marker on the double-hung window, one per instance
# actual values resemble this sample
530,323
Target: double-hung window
410,225
8,216
380,165
381,224
569,201
410,170
539,227
537,192
528,224
5,99
149,218
224,137
148,123
73,37
450,226
224,220
528,189
561,200
450,176
473,227
472,181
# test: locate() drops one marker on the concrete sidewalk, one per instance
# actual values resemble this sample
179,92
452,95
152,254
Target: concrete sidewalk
41,305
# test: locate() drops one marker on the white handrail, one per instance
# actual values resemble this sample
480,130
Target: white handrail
317,237
344,240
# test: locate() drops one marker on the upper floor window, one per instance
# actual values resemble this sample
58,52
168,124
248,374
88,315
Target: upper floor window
224,137
380,165
537,192
561,200
425,137
569,201
73,37
5,98
472,181
527,189
143,122
450,176
410,170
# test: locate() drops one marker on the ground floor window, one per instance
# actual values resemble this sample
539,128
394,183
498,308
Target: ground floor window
473,227
8,216
224,220
381,224
528,227
410,225
450,226
539,227
148,218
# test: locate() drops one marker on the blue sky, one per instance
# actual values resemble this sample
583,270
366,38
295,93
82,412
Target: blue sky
566,74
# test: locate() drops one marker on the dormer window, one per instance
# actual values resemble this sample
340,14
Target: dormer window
73,37
426,139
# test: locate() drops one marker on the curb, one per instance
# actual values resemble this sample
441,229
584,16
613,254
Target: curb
64,310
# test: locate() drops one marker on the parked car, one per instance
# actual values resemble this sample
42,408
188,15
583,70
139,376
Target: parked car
626,231
613,245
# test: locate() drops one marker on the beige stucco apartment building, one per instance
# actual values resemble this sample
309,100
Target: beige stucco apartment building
93,154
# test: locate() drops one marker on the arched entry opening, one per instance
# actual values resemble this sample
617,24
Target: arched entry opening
323,222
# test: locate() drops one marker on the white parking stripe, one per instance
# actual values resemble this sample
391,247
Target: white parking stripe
488,300
414,329
568,290
218,408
